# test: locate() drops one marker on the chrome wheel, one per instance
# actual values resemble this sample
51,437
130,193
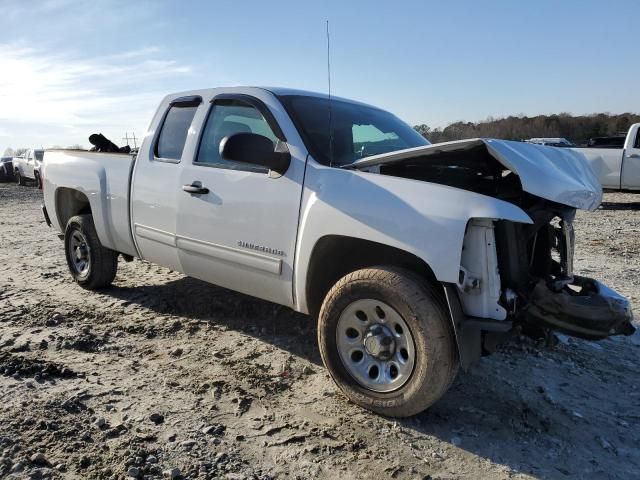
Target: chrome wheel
80,253
375,345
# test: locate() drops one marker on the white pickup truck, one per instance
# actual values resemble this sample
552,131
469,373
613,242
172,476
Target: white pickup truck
415,258
27,166
617,168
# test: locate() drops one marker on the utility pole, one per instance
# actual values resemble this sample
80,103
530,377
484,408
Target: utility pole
133,138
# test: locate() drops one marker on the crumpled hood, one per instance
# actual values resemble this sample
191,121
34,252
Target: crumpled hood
558,174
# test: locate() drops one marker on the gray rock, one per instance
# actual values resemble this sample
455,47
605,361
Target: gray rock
38,458
604,443
100,423
188,443
133,472
173,474
152,459
156,418
176,352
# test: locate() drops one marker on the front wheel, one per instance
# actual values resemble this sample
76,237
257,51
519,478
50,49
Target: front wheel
387,341
92,266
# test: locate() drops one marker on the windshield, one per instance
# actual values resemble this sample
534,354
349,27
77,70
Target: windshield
358,131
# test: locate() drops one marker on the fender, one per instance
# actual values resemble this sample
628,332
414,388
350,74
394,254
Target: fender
425,219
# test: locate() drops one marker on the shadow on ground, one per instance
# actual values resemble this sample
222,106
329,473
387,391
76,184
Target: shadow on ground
198,300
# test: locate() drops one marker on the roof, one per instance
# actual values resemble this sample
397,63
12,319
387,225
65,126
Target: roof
284,91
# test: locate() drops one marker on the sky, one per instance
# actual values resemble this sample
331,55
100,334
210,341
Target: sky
71,68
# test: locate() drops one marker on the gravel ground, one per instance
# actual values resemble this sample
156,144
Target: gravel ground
165,376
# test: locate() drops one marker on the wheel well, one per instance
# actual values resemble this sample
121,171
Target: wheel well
334,256
69,203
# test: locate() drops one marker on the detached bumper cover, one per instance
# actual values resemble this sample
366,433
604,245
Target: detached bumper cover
589,310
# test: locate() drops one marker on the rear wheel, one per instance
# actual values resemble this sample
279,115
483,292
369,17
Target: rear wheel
92,266
387,341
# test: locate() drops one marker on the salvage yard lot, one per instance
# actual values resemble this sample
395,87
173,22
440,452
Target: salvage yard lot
162,373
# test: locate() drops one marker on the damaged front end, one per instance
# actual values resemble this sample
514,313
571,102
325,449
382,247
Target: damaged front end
515,274
536,271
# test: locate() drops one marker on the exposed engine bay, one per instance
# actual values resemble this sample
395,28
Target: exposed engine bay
513,273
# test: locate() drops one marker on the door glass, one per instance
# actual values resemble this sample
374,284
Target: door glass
637,144
174,132
228,118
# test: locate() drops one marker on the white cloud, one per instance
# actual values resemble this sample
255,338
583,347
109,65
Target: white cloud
59,94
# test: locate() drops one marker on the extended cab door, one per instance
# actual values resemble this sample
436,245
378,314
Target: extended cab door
155,182
631,160
237,222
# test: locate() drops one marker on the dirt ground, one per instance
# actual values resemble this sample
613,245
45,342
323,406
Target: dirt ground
166,376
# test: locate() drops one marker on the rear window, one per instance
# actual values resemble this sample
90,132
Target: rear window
173,133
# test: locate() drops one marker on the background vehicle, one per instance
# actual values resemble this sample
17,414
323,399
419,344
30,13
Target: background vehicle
27,166
616,141
551,142
6,169
616,168
414,257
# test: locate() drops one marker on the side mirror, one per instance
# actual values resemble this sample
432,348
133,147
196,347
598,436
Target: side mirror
255,149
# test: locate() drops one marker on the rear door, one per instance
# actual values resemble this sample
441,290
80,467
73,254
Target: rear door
241,233
631,161
156,183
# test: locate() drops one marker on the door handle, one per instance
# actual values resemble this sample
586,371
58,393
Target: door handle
633,155
195,189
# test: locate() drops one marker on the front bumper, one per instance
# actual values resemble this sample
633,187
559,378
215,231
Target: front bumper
584,308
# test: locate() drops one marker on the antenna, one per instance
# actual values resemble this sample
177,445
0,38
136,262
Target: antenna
329,84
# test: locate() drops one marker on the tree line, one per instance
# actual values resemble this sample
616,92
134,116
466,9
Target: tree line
577,129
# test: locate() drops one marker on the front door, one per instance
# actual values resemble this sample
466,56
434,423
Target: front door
237,222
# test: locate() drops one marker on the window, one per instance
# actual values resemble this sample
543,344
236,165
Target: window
228,117
173,133
637,144
357,130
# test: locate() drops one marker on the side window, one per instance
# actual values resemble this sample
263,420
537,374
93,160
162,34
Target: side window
637,145
228,117
173,133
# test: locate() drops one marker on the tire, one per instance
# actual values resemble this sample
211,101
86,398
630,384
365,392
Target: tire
38,181
92,266
404,298
20,179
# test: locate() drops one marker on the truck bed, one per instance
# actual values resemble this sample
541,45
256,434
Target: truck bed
104,179
606,164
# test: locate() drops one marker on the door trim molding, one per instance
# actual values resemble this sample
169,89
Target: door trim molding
254,260
155,234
